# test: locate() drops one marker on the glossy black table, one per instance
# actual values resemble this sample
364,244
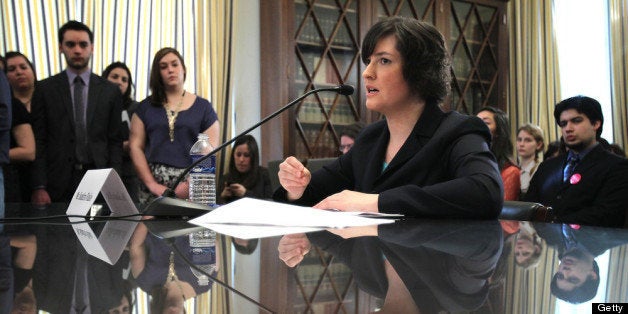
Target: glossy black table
445,265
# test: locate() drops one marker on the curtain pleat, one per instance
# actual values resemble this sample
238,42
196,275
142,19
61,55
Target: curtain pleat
131,32
126,31
221,35
618,18
534,86
219,43
528,290
616,289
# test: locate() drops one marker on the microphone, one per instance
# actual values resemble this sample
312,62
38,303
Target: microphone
175,207
344,89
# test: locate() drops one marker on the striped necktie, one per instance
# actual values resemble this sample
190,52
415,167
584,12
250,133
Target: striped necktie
79,121
572,161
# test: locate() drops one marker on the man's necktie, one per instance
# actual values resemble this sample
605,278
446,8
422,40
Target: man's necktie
79,121
572,161
81,295
568,237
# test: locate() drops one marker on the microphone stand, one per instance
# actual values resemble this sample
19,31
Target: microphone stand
342,89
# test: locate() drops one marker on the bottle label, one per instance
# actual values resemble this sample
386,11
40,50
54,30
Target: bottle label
203,255
207,166
203,247
203,181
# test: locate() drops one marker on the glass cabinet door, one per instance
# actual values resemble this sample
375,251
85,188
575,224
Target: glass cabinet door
474,35
326,55
423,10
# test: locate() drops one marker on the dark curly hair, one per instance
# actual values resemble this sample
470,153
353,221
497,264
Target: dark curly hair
352,130
75,26
581,294
128,99
501,142
585,105
16,54
426,62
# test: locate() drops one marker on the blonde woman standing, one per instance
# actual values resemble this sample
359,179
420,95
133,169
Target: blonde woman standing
530,146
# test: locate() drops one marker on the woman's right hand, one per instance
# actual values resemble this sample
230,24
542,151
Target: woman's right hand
156,188
294,177
226,191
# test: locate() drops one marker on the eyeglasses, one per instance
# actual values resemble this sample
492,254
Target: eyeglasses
343,147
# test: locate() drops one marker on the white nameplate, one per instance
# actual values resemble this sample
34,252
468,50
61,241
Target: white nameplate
115,234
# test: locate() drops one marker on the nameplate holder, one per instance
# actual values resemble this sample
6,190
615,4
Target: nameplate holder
115,234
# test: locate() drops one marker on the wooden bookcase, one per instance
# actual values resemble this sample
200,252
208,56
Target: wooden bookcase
309,44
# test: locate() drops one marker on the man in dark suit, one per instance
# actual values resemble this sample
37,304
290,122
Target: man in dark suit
76,119
577,278
588,185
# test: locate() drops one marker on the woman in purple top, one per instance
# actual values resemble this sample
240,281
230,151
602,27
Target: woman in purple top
166,125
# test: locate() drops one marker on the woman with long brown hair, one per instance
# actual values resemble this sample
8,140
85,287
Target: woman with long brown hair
166,125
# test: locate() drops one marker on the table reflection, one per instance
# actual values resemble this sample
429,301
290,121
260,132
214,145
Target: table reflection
484,266
444,266
428,265
577,278
163,273
67,279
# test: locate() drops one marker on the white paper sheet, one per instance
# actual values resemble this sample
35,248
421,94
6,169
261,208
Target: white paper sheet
249,218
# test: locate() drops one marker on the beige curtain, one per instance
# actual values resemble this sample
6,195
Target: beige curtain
221,36
617,286
534,86
618,17
127,31
528,290
219,45
131,32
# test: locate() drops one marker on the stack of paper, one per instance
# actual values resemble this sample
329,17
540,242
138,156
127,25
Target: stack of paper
250,218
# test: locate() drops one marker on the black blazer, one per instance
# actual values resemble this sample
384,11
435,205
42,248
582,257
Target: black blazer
54,273
444,169
599,198
596,240
445,264
53,125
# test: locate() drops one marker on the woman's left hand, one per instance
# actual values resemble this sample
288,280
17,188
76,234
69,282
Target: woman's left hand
182,190
350,201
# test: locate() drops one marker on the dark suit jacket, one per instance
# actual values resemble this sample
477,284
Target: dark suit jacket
444,169
595,239
599,198
444,264
53,125
54,273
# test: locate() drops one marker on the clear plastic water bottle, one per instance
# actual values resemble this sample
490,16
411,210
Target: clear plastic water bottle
202,184
202,179
203,254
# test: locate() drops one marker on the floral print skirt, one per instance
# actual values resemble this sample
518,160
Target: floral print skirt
163,174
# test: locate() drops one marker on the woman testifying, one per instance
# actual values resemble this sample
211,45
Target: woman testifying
419,161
